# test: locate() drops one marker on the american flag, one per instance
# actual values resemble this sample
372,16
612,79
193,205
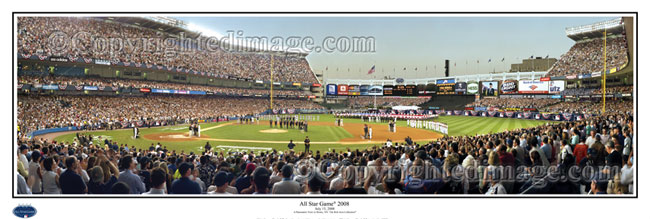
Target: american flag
372,70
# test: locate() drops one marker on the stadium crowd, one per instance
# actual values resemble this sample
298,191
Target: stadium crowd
150,47
592,156
366,101
92,81
97,112
513,102
590,91
586,57
615,106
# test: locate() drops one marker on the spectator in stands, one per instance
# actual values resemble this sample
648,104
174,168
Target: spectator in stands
70,180
260,180
287,185
127,176
158,180
185,185
51,177
35,174
221,183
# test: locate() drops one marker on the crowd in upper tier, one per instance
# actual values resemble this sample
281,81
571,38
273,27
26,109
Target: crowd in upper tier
587,57
93,81
591,91
78,37
513,102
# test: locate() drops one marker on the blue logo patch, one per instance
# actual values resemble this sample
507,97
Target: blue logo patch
24,211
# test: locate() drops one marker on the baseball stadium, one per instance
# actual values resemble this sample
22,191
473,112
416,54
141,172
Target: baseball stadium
243,122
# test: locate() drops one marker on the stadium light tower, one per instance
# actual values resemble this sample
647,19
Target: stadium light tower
604,87
271,103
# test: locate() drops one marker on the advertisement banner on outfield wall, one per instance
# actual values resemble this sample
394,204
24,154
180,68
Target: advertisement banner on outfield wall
364,90
376,90
555,87
331,89
533,87
342,89
354,90
388,90
509,87
427,90
50,87
472,88
446,81
460,87
489,88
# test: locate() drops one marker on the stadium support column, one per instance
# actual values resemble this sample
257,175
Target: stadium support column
604,68
271,102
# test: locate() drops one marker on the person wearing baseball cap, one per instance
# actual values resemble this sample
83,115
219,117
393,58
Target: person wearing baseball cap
185,185
244,180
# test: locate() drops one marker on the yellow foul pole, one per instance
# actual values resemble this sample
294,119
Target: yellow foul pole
604,68
271,103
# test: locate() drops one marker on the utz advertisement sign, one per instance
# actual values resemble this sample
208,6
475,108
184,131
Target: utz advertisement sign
472,88
555,87
509,87
331,89
533,87
343,89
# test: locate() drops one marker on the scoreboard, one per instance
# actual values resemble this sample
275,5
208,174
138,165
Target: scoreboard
401,90
446,89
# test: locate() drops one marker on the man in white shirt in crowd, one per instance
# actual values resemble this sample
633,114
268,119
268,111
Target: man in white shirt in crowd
23,155
221,182
287,185
158,177
591,139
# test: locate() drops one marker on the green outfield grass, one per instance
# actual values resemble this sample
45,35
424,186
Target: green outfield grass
472,125
458,126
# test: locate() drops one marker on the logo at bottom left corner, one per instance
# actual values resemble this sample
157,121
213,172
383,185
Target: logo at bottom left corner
24,211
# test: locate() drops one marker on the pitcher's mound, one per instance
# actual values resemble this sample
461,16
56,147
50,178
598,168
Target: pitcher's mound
273,131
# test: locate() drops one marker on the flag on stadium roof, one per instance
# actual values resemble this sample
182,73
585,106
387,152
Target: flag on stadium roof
503,59
372,70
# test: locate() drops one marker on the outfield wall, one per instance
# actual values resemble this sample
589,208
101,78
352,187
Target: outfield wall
52,130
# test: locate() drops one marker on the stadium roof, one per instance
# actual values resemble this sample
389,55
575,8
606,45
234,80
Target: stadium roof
595,30
164,24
